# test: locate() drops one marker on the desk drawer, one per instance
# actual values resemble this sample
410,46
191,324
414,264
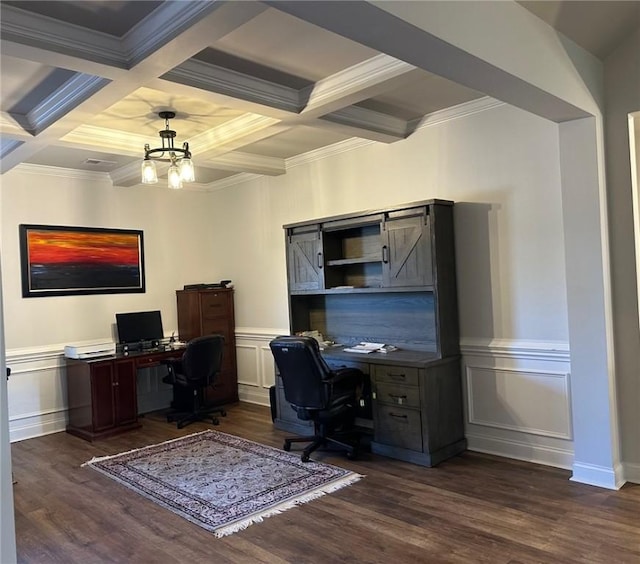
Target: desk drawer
398,427
218,326
214,304
394,394
396,374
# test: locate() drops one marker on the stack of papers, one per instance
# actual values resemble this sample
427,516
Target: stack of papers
365,348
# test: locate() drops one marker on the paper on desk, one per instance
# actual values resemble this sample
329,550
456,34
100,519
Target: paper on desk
365,348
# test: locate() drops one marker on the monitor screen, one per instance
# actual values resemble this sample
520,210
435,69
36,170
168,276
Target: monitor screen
139,326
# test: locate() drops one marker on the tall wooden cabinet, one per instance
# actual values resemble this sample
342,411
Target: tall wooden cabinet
208,312
386,276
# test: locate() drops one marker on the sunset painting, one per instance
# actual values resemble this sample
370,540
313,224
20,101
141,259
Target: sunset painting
80,260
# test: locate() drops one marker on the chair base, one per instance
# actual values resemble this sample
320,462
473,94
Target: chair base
319,441
183,418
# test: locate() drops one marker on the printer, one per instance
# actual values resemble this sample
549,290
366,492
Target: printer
106,348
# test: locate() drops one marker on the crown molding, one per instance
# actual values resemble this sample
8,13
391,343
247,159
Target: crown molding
47,33
233,130
231,83
370,124
247,162
240,178
61,172
353,84
91,136
162,25
328,151
456,112
72,93
8,145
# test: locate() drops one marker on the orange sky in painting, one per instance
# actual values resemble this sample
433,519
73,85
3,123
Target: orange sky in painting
56,247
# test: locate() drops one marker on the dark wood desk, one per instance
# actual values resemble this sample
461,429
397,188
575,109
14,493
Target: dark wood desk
415,402
102,392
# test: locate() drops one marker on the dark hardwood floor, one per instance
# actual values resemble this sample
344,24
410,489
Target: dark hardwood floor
472,508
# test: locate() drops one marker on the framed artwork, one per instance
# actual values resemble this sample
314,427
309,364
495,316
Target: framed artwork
66,261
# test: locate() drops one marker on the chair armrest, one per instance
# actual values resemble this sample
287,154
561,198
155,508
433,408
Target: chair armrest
174,365
343,374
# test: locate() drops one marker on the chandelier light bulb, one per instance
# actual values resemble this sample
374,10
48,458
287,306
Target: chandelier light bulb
173,176
149,173
187,173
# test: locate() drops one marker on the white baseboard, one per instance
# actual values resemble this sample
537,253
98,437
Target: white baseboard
36,425
600,476
519,450
251,394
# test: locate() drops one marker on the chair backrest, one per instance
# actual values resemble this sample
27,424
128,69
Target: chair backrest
303,371
202,359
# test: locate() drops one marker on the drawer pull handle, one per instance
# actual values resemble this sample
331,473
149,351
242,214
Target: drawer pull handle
397,376
398,399
392,414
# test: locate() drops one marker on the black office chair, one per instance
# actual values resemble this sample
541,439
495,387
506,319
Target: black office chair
317,393
190,377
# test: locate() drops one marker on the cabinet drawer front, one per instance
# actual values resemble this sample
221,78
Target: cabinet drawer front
399,427
214,305
216,327
397,374
394,394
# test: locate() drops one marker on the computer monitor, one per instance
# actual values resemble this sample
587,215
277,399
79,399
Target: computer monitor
139,326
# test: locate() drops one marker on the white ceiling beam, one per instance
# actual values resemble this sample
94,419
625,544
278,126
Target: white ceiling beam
353,84
246,162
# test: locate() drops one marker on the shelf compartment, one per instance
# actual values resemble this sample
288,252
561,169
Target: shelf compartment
355,260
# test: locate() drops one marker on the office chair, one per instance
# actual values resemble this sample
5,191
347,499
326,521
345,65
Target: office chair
317,393
190,376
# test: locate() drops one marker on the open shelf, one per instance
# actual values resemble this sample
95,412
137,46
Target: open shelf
354,260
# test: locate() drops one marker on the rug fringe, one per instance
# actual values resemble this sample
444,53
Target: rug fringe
101,458
285,505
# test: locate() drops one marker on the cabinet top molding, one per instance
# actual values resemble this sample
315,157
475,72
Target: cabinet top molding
360,214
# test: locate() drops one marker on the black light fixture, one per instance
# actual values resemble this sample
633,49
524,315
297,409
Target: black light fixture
181,167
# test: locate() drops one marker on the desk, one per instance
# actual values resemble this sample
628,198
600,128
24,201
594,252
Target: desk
415,400
102,392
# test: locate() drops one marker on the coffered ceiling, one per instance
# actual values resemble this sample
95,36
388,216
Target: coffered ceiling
252,86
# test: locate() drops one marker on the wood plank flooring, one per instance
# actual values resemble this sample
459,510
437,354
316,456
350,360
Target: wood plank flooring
472,508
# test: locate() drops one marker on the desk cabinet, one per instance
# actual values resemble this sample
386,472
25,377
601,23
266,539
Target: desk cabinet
209,312
386,276
102,397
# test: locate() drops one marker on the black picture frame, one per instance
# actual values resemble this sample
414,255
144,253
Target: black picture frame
61,260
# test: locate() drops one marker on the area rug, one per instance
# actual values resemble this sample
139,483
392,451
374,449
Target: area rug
221,482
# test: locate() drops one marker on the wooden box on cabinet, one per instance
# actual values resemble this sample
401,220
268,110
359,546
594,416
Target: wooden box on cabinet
208,312
102,397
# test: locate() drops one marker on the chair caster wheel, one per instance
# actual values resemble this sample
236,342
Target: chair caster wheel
304,457
215,421
223,413
286,446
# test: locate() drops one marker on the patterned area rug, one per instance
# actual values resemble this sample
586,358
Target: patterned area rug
221,482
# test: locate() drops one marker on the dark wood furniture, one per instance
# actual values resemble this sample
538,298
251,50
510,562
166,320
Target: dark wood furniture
102,392
208,312
385,276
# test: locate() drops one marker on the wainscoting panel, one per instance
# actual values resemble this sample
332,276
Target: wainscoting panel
256,372
517,400
37,392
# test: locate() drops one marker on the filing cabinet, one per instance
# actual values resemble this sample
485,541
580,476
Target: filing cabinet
207,312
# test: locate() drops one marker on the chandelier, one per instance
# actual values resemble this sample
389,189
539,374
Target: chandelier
181,166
